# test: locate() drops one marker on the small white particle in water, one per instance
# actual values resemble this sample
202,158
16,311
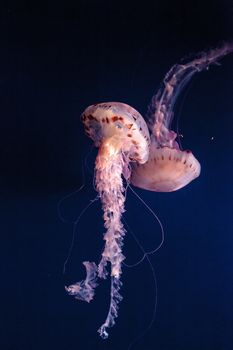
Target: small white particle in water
212,138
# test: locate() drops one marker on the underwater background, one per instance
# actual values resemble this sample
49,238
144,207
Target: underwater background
57,58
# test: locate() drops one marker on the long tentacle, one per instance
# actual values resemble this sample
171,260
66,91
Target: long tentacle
160,109
109,184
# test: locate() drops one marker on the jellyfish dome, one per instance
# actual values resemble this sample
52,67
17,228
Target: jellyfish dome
116,127
167,169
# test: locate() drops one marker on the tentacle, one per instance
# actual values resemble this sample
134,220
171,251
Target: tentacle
113,309
110,187
109,184
160,110
85,289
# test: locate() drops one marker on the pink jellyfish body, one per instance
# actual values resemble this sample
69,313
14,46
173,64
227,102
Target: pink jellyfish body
169,168
122,136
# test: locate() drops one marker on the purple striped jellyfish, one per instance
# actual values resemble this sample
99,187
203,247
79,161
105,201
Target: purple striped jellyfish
122,136
168,167
153,163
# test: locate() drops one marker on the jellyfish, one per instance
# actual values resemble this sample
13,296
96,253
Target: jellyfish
169,168
122,136
151,162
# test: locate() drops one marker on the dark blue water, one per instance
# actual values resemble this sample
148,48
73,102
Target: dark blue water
56,59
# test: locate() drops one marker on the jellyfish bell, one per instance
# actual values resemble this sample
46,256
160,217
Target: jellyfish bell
122,136
116,127
167,169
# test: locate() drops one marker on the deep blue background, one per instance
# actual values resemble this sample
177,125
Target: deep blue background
55,60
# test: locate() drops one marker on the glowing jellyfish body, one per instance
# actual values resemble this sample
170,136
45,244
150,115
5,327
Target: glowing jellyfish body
169,168
158,164
122,136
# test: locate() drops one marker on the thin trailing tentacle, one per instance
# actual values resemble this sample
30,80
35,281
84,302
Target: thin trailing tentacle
160,109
